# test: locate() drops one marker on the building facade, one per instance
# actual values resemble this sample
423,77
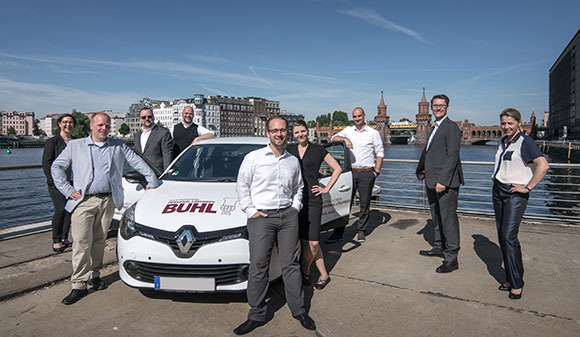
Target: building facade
22,122
48,124
564,117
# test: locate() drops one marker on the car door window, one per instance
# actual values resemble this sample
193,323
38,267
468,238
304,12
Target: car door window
337,151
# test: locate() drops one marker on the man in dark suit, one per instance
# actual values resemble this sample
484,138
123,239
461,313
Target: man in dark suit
440,167
153,142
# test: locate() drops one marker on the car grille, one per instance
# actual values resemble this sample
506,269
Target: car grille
199,239
223,274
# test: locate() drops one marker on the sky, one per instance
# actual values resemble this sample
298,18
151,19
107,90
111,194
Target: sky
314,56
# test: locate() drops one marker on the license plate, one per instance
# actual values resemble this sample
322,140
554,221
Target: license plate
184,284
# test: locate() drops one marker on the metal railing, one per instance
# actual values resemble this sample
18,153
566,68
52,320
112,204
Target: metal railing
556,198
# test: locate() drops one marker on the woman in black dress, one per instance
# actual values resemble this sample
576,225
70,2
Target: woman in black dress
310,157
52,148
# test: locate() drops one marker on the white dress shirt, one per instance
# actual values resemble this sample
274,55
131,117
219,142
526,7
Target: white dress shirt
200,129
436,123
145,133
267,182
366,146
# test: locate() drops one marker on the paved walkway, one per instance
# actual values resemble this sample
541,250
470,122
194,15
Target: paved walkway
380,288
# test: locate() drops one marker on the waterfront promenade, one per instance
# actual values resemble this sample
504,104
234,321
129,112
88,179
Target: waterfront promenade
379,288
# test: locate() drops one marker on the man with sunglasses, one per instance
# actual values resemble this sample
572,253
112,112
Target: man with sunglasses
153,142
269,187
440,167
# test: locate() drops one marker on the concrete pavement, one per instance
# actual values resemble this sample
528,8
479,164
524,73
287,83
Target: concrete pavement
379,288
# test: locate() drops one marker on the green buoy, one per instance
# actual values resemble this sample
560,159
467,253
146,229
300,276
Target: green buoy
8,150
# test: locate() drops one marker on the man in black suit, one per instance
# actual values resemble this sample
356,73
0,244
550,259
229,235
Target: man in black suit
153,142
440,167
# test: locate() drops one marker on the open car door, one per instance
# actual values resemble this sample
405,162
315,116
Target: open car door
336,203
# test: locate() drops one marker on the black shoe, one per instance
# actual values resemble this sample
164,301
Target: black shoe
322,283
432,252
361,237
306,280
447,267
98,284
513,296
247,326
504,287
66,243
306,321
58,250
334,238
74,296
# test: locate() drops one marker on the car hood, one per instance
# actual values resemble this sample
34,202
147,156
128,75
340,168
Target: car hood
209,206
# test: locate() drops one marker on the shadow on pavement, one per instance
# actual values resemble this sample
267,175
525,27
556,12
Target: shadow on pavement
428,232
490,253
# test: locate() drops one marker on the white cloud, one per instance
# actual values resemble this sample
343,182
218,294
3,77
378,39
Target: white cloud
57,69
50,98
374,18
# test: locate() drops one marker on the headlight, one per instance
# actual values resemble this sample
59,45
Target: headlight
127,223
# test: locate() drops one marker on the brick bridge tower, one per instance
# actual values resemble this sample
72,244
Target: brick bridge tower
382,120
423,121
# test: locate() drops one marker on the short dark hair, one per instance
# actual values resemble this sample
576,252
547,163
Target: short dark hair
61,117
145,108
440,96
300,122
276,117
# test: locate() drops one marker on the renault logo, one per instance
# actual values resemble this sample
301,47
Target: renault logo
185,240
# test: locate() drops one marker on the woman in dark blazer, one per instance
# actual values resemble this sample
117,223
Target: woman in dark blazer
519,167
52,148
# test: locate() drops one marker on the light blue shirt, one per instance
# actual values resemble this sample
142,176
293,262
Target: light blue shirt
101,168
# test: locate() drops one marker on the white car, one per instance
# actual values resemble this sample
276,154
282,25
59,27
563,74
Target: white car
189,234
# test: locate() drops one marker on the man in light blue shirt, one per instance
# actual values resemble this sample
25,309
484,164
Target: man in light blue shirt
97,168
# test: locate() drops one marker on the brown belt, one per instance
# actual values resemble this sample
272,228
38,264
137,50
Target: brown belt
364,169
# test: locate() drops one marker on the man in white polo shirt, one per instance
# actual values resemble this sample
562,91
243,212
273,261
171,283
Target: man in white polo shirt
269,187
366,149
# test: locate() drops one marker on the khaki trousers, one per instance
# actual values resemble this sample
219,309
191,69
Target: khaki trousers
90,223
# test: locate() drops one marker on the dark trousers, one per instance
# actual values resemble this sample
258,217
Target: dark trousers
363,181
509,209
279,227
444,216
60,218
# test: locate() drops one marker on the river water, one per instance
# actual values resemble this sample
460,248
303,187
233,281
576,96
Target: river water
24,197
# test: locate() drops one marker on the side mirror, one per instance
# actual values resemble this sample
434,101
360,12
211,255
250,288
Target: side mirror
135,177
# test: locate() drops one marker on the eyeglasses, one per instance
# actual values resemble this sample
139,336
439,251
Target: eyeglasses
436,106
147,117
67,122
278,130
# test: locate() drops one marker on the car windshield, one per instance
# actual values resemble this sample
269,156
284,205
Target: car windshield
210,162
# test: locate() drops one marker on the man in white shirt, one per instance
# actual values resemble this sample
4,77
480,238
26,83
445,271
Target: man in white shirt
366,149
187,133
269,187
153,142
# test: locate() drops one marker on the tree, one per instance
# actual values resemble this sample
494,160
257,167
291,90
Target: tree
124,129
404,119
82,128
159,124
11,132
323,120
36,130
311,124
340,118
